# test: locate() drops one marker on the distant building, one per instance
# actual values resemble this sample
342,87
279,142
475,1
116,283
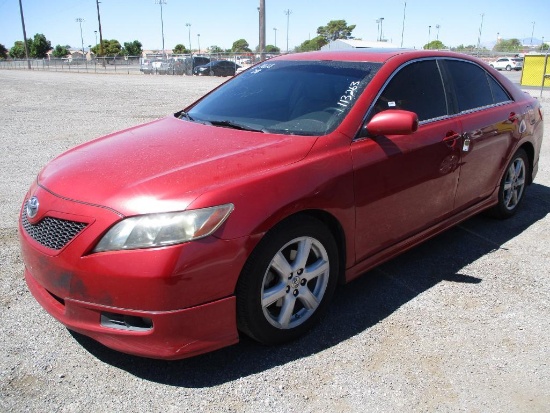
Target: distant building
347,44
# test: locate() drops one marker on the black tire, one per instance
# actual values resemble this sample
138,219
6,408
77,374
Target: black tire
281,294
512,186
508,68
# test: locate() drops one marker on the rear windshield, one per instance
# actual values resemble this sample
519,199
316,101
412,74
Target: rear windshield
289,97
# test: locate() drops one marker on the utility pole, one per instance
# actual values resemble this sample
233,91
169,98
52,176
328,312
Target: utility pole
24,35
403,29
275,30
261,46
100,32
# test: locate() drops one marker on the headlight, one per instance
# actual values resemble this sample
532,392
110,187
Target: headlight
157,230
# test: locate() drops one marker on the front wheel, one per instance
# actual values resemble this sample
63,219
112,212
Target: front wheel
508,68
288,281
512,186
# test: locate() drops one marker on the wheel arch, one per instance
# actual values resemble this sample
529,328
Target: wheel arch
330,222
530,150
337,231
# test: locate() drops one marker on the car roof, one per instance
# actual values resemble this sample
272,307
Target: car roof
378,55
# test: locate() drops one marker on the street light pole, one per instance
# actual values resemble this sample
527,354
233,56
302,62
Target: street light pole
381,29
429,35
532,32
188,25
437,26
275,30
199,42
161,2
288,12
79,20
480,29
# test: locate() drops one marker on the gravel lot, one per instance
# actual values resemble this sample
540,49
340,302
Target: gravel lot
460,323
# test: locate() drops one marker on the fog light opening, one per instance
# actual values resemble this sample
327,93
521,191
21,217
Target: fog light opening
126,322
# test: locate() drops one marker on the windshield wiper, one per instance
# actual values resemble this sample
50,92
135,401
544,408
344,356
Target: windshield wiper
184,115
234,125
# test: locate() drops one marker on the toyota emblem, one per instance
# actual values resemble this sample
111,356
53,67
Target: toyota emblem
32,207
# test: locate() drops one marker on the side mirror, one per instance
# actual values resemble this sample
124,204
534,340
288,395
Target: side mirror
391,122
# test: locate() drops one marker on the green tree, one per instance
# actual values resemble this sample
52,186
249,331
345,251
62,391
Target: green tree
3,52
240,46
311,45
60,51
215,49
40,46
462,48
110,48
272,49
435,45
180,49
336,29
18,49
133,48
543,46
508,45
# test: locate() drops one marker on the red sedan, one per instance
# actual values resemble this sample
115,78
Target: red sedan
242,212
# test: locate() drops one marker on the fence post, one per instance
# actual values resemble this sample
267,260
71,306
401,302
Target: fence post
544,74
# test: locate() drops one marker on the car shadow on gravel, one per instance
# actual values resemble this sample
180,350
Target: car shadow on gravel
356,306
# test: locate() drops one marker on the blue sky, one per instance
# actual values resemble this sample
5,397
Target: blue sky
221,22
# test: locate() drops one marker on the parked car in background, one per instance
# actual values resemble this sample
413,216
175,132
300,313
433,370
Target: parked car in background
146,67
165,68
508,63
217,68
191,62
243,211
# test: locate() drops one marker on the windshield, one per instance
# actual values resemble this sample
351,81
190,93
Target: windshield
289,97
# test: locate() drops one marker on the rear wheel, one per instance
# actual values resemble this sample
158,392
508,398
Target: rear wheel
512,186
288,281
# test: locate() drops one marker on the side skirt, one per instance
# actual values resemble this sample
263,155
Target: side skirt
405,245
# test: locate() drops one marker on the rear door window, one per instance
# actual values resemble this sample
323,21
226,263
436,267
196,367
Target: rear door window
473,87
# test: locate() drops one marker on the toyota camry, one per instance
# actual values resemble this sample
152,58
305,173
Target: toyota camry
241,213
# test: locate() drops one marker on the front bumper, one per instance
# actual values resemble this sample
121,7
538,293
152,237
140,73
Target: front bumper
178,300
173,334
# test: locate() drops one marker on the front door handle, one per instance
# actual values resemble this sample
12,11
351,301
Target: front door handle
451,137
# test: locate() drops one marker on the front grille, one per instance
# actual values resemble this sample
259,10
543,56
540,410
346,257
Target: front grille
51,232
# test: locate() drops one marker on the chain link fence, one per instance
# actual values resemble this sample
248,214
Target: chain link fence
156,64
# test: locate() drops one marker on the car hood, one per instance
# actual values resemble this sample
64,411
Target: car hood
166,164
